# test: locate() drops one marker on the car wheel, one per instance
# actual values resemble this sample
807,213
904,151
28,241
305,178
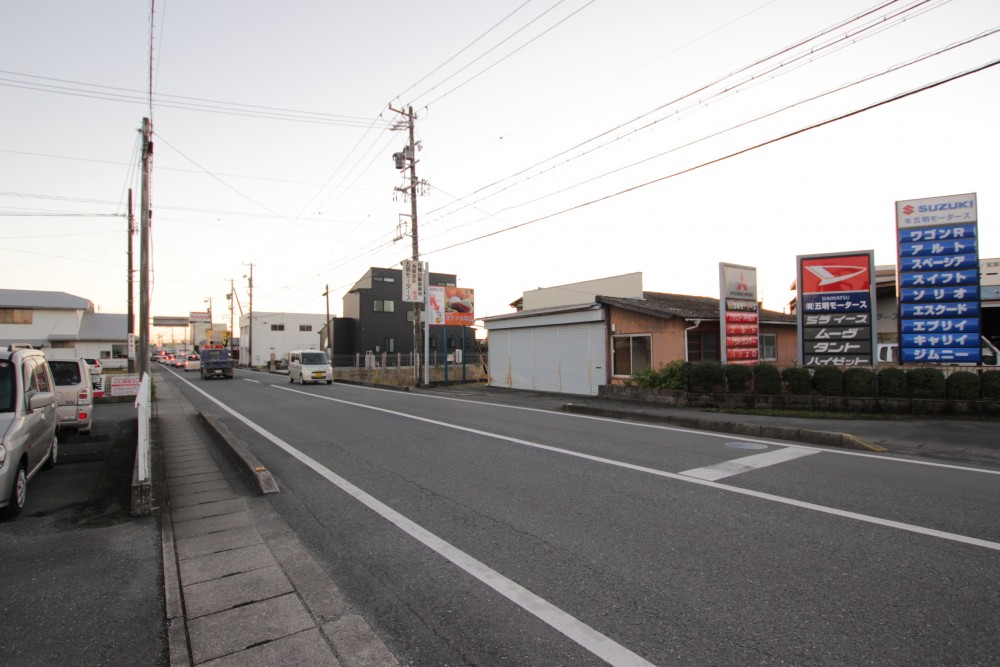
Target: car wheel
53,459
329,381
291,379
19,494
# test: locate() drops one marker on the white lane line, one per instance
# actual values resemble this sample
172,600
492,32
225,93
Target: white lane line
680,429
748,463
823,509
581,633
249,380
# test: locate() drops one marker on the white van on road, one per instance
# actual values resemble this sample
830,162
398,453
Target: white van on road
309,366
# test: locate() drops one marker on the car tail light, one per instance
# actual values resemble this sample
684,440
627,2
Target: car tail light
83,395
82,416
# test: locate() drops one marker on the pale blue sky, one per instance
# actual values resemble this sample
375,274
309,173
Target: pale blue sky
312,203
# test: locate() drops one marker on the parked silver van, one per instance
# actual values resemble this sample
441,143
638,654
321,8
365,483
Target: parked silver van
74,394
309,366
28,422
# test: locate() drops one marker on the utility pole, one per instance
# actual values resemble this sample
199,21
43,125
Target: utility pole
229,297
250,332
409,155
131,276
329,338
142,351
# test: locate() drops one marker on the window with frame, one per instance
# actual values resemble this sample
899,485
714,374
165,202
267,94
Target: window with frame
384,306
768,347
104,354
631,354
119,351
702,346
305,327
410,316
16,316
277,327
389,345
383,279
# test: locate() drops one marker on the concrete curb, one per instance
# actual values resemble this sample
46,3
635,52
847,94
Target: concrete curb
826,438
257,475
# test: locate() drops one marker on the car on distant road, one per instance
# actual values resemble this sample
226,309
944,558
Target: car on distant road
178,361
192,362
74,395
28,422
94,365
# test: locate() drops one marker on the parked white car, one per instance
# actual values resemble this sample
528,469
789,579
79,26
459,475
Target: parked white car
74,394
28,422
309,366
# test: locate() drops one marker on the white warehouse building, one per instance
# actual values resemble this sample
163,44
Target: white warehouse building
273,335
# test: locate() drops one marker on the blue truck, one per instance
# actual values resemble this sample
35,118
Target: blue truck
216,362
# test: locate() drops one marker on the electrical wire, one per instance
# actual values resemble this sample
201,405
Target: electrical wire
788,135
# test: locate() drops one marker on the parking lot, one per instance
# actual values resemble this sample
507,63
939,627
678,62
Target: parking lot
82,578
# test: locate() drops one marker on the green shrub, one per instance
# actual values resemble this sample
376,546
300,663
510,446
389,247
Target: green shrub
962,386
767,380
925,383
891,383
670,376
706,376
859,381
798,380
739,377
829,381
989,383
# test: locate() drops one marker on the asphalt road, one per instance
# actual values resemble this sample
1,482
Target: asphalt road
470,533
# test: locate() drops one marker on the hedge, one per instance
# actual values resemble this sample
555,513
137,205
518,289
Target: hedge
766,380
829,381
859,382
925,383
708,376
891,383
798,380
739,377
962,386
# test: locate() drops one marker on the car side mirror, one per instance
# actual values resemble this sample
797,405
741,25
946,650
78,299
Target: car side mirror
40,399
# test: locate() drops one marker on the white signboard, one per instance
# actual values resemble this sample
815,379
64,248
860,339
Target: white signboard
125,385
936,211
413,281
435,305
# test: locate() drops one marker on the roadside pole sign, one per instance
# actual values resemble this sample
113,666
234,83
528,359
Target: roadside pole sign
413,281
738,314
939,291
836,309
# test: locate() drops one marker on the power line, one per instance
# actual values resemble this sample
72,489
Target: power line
894,98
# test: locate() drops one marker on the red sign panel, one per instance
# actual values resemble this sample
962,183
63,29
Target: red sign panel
844,273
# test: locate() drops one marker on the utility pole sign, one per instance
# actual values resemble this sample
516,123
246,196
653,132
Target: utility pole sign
413,281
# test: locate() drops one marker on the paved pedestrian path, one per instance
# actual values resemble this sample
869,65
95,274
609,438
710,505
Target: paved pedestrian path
241,589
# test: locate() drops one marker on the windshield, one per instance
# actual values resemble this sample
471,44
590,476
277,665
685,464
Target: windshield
314,358
6,386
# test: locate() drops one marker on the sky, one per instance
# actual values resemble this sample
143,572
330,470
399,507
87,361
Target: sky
560,141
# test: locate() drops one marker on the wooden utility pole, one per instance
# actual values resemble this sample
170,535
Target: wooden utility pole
329,336
142,351
250,336
409,155
131,276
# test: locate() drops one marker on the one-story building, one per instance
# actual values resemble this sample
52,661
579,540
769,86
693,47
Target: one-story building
574,338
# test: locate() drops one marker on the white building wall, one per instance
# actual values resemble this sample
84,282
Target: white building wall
277,334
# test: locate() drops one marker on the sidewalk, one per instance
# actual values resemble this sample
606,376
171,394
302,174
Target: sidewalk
240,588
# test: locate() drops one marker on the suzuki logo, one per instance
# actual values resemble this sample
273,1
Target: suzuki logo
908,210
834,273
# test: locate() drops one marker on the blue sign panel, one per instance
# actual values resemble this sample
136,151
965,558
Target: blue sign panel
939,296
939,263
941,325
965,246
965,294
918,310
952,233
961,355
939,278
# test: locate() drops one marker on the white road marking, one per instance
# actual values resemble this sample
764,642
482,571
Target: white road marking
581,633
249,380
888,523
748,463
680,429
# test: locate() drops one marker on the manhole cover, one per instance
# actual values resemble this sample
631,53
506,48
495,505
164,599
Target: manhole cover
746,445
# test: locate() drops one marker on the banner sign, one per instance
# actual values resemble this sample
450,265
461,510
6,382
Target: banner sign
939,295
451,306
836,308
413,281
435,305
165,321
738,314
200,317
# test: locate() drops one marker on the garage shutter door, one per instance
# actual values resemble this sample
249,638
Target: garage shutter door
567,358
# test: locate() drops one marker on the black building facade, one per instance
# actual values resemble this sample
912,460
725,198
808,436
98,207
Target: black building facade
377,320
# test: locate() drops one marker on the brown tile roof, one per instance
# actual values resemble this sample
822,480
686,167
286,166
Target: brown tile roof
660,304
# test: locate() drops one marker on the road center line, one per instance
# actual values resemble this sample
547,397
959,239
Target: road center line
748,463
888,523
581,633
